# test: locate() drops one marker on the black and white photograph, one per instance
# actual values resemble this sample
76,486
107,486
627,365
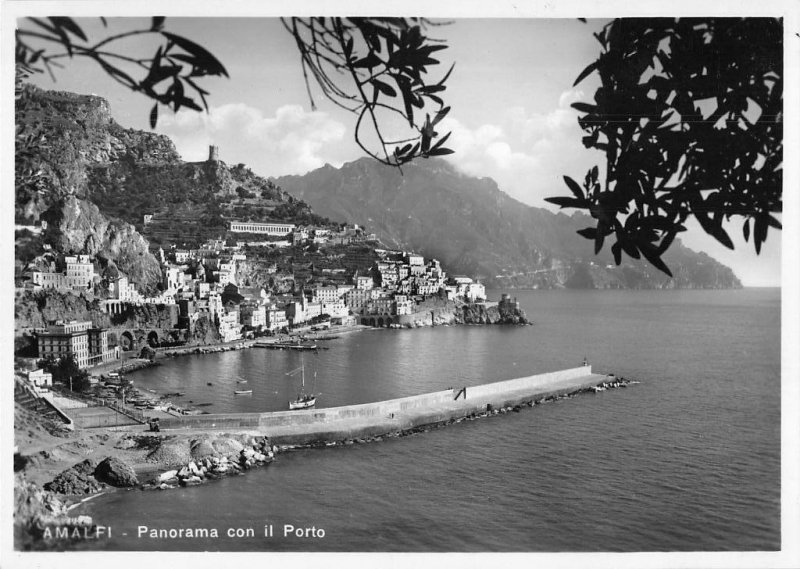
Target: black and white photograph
307,280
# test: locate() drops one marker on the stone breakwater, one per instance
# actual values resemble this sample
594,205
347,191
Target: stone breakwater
611,384
395,415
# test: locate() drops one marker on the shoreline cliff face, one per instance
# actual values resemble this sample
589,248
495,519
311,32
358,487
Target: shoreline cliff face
494,314
438,312
77,226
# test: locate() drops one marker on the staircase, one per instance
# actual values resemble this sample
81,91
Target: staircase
29,401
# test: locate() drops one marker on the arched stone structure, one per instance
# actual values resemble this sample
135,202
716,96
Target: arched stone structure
126,341
152,339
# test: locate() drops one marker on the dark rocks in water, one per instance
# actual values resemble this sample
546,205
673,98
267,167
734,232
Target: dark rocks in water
501,313
116,473
78,479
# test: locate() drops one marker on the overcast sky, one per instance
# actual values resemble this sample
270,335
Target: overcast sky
510,95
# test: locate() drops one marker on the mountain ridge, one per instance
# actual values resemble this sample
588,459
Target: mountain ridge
475,228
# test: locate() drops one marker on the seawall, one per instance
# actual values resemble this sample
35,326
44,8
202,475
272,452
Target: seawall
393,415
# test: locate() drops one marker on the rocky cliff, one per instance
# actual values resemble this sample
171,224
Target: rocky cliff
77,226
492,314
60,138
70,134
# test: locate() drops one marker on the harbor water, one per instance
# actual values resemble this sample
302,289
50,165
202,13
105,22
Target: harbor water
688,459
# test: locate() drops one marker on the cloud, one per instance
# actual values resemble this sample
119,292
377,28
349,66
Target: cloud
527,153
292,141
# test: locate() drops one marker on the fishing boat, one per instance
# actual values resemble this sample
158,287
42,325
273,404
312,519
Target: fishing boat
242,391
304,400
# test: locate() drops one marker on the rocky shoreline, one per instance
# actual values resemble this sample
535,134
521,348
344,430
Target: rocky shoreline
162,461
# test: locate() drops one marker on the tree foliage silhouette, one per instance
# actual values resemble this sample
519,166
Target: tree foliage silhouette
373,67
689,115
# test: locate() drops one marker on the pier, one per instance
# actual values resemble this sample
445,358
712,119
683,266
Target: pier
394,415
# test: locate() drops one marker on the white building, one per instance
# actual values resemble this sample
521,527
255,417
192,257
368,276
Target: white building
229,327
214,304
276,318
335,309
403,304
364,283
173,278
278,229
415,260
80,271
40,379
475,292
325,294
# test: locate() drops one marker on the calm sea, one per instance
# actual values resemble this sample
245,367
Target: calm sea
689,459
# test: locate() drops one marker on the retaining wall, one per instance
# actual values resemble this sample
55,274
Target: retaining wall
369,419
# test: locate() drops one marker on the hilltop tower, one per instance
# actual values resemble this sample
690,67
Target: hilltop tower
213,153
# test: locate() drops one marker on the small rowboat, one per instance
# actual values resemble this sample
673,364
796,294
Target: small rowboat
243,391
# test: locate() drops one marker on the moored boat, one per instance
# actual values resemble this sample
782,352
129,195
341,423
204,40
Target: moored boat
303,400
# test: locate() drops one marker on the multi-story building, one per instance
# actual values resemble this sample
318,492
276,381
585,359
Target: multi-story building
325,294
334,309
202,289
364,282
357,299
475,291
173,278
229,327
48,279
125,291
415,260
403,304
89,346
388,273
80,271
214,304
277,229
467,288
425,288
381,306
276,318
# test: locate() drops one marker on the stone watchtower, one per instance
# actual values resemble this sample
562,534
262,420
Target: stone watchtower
213,153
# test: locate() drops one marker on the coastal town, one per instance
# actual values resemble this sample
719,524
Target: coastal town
208,281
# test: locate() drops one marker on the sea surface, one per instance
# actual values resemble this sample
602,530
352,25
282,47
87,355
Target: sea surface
688,459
